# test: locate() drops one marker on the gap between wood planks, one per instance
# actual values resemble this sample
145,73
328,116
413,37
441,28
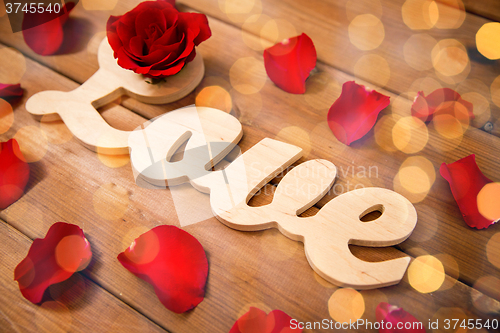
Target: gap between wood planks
86,277
247,32
389,87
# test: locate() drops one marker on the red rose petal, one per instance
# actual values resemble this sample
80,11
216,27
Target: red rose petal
257,321
173,261
43,32
355,112
466,181
396,320
425,107
52,259
10,91
14,173
289,63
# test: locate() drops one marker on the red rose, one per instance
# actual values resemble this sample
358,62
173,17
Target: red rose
156,40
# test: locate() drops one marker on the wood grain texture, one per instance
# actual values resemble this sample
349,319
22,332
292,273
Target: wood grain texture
260,268
77,304
329,24
112,211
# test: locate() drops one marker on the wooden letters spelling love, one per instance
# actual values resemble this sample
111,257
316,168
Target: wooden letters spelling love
211,134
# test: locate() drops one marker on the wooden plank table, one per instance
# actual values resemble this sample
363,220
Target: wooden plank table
264,269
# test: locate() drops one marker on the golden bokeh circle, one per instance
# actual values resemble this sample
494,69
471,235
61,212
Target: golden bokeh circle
110,201
255,23
482,111
425,84
16,68
346,305
248,75
238,11
426,274
410,135
383,132
451,120
493,250
451,14
6,116
296,136
276,30
417,51
488,40
420,14
449,57
415,178
69,250
113,161
451,269
366,32
32,142
373,68
215,97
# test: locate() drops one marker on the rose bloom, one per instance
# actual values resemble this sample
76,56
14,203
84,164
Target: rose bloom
155,39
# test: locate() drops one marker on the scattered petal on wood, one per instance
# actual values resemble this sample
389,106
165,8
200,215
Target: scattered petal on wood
43,32
397,320
174,262
10,92
439,102
466,181
289,63
257,321
14,173
52,259
355,112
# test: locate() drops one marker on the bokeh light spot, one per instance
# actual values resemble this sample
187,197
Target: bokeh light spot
493,250
488,40
426,274
248,75
366,32
425,84
255,23
32,142
451,120
410,135
420,14
145,249
6,116
215,97
417,51
482,112
73,253
383,132
110,201
451,14
373,68
449,57
415,178
451,269
346,304
16,68
239,10
276,30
